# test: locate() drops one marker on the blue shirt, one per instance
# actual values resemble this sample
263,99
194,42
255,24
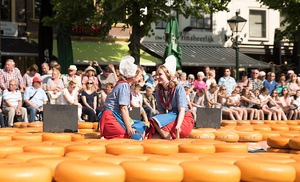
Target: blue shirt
120,95
229,83
270,86
38,99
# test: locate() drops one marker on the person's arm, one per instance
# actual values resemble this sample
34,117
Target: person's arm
83,99
181,112
2,85
126,119
146,103
112,68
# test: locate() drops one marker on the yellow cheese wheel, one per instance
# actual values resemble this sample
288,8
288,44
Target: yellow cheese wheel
243,122
151,171
228,122
249,136
256,122
265,171
63,143
25,156
281,160
17,124
278,142
295,151
161,148
46,149
144,157
226,136
30,130
238,155
115,159
80,155
6,149
281,155
214,158
277,150
85,147
267,134
231,147
24,172
84,131
8,130
71,170
189,155
56,137
290,134
124,148
27,137
197,148
95,125
5,138
262,127
210,171
171,159
35,124
292,122
294,127
23,125
269,121
8,161
281,122
201,134
279,127
85,125
294,143
296,166
244,128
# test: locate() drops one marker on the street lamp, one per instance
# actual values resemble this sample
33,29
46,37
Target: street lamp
236,24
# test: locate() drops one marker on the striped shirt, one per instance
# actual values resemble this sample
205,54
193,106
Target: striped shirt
6,76
12,97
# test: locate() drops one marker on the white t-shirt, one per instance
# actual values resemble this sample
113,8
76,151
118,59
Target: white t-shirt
71,96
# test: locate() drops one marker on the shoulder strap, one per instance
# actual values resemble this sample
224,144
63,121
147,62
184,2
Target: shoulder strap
32,95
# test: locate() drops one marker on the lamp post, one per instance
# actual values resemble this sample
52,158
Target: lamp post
236,24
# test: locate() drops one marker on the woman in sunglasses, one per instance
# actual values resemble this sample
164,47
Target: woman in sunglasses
89,100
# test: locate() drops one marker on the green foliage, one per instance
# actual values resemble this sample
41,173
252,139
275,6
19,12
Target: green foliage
290,9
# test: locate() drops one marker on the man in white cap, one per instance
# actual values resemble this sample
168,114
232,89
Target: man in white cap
72,76
262,76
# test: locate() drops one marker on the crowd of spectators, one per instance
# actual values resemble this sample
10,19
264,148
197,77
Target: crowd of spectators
257,95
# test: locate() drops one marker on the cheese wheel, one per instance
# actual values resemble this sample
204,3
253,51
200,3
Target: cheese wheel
292,122
95,125
231,147
80,155
17,124
280,122
249,136
27,137
30,130
206,129
23,125
237,155
84,131
262,127
8,161
210,171
170,159
189,155
35,124
151,171
46,149
124,148
243,122
244,128
201,134
162,148
85,147
24,172
265,171
144,157
279,127
270,154
277,150
25,156
294,143
256,122
85,125
278,142
8,130
197,148
5,138
294,127
226,136
50,162
269,121
228,122
295,151
73,170
56,137
63,143
281,160
291,134
213,158
5,150
296,166
113,158
266,134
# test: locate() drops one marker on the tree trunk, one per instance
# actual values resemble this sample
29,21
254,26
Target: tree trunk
135,44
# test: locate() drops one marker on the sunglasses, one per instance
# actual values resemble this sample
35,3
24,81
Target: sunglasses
89,83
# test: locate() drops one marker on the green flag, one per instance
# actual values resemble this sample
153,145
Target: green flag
172,40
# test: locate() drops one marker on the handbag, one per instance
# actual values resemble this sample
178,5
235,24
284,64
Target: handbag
24,104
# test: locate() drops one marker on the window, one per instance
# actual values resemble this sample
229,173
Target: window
257,24
202,23
5,10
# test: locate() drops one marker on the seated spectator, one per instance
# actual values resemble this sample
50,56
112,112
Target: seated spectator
11,72
296,102
89,98
108,75
90,75
72,76
54,87
199,83
211,97
210,78
264,100
1,115
244,82
294,84
103,94
234,103
34,98
46,74
70,97
285,101
149,102
137,101
12,103
30,74
247,103
281,83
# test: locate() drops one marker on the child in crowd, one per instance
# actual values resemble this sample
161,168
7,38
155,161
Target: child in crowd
137,101
149,102
187,91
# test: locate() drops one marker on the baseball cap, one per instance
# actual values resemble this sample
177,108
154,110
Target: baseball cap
72,67
36,79
290,72
262,73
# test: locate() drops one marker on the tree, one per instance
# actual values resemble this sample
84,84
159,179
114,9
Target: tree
137,14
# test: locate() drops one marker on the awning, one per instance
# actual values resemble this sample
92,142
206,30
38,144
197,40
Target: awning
18,47
104,53
196,55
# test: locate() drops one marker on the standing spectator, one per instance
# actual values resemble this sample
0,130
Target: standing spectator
270,82
34,98
90,75
70,97
183,80
32,72
245,82
228,81
45,74
149,102
206,71
262,76
12,103
210,78
10,72
108,75
191,79
89,98
256,83
72,76
54,87
199,83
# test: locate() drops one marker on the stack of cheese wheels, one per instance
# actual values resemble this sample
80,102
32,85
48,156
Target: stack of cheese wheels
160,148
197,148
85,127
46,149
152,171
6,149
124,148
24,172
86,147
227,136
88,171
23,125
56,137
210,171
255,170
249,136
231,147
278,142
